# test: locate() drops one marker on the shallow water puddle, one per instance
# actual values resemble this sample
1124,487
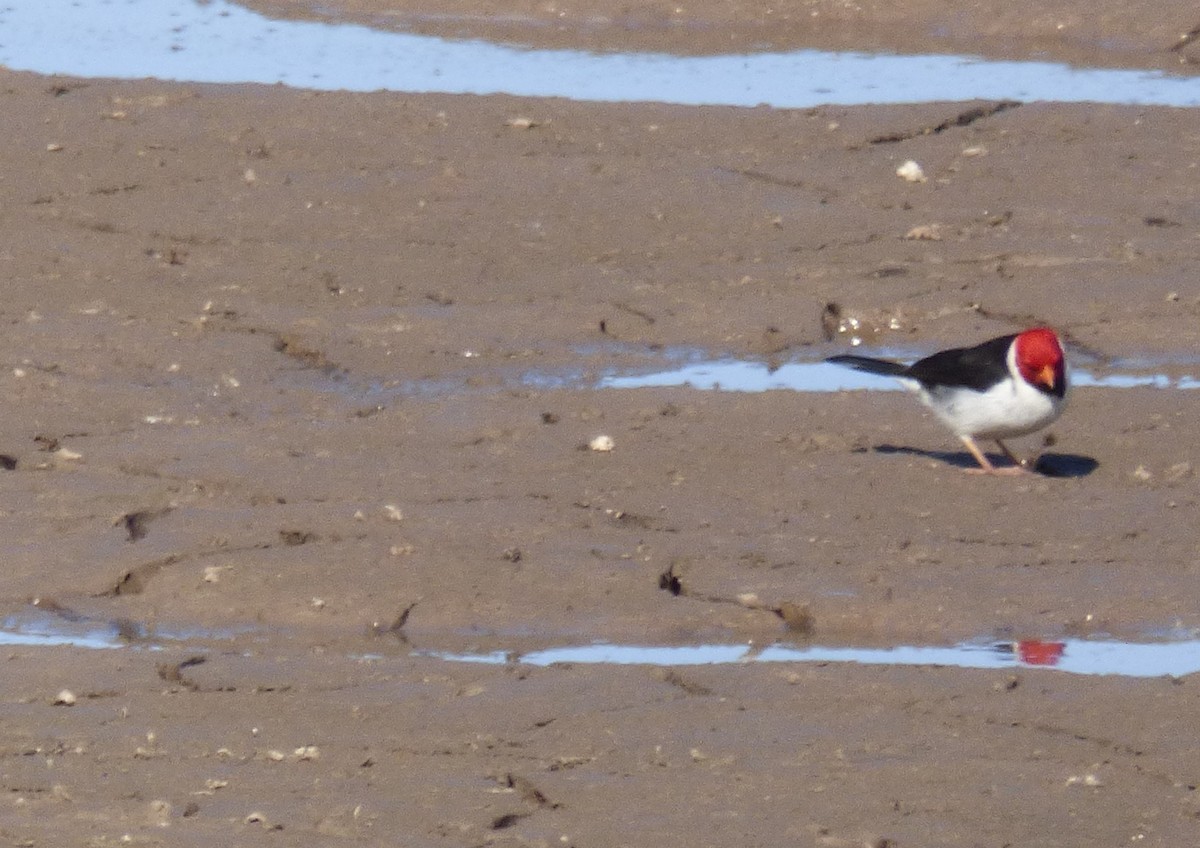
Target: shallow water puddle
747,376
51,640
37,629
1076,656
729,375
216,41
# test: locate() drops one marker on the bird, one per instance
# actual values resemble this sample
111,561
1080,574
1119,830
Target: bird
1004,387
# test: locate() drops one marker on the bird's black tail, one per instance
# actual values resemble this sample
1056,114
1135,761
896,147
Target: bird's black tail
872,366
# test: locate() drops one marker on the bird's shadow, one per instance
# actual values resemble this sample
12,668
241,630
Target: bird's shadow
1048,464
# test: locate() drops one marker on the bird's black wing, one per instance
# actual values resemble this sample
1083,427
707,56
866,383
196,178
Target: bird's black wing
978,368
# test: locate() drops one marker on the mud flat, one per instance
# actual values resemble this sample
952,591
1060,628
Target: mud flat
301,393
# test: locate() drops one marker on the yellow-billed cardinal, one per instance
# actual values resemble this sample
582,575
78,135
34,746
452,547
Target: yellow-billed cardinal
1005,387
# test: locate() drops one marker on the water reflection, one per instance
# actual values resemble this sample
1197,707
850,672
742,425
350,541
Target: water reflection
1173,656
1075,656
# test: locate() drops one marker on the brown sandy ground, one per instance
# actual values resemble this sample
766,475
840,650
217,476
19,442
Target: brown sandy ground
1102,33
308,748
218,302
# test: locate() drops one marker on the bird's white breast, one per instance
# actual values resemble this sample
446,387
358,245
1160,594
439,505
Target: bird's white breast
1008,409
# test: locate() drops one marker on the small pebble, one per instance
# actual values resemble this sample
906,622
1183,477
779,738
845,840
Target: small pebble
602,444
912,172
1177,472
159,813
924,232
798,617
65,698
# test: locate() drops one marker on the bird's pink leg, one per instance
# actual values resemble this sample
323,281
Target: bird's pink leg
986,467
1024,463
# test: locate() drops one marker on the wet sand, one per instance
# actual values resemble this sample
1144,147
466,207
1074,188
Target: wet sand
314,375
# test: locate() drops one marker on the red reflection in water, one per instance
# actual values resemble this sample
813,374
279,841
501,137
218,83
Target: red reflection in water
1039,652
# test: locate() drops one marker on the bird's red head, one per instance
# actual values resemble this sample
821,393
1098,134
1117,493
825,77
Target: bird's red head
1039,358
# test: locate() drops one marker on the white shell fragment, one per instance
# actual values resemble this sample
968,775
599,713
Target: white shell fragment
924,232
65,698
912,172
159,813
602,444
